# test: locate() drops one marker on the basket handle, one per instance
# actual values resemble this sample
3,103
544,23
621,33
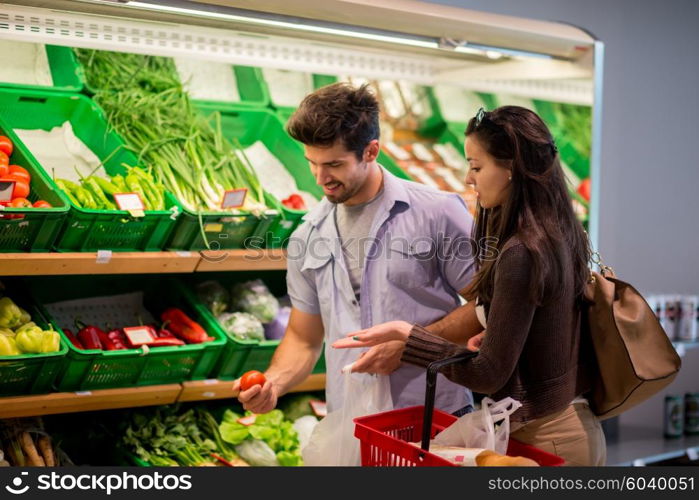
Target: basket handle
432,370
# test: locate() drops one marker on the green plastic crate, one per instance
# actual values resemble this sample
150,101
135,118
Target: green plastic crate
249,126
94,369
240,356
38,228
251,88
30,373
66,72
87,230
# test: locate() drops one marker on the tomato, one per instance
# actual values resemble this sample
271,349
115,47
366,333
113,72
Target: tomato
20,203
42,204
585,189
21,187
251,379
6,145
4,170
4,159
20,173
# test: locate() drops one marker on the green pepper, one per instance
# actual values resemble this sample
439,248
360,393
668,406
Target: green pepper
120,184
65,187
97,193
10,314
106,186
85,198
8,346
35,340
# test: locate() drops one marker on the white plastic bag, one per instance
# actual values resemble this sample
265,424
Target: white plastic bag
478,429
333,441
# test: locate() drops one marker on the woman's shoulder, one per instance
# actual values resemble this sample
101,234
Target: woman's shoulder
514,253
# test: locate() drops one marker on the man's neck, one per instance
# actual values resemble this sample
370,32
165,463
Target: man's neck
372,186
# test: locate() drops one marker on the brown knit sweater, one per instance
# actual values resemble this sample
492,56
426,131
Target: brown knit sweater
531,353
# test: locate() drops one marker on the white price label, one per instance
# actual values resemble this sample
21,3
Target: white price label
139,334
103,256
83,393
129,201
693,454
396,151
422,153
234,198
7,189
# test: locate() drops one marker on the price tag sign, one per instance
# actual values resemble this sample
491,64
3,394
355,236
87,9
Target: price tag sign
131,202
234,198
7,189
319,408
139,335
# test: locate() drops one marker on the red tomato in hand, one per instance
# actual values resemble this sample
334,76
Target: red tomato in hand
585,189
6,145
251,379
20,173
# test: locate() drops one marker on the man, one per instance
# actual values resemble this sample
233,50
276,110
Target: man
376,249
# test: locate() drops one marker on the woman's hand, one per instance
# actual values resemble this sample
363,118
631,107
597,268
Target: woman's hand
381,359
385,332
474,343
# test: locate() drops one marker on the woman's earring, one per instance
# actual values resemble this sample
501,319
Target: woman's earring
509,178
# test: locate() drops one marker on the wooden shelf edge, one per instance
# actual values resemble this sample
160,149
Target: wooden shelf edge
104,399
130,397
242,260
53,264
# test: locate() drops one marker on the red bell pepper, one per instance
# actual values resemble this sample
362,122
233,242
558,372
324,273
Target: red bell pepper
89,335
73,339
106,341
165,342
117,338
183,327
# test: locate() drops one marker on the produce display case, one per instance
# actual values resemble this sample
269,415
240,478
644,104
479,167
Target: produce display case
31,229
248,126
87,229
96,369
66,73
31,373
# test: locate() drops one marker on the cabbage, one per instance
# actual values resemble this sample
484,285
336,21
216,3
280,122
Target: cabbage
242,326
214,296
254,297
295,406
257,452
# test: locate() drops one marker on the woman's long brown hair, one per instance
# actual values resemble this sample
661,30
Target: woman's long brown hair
539,210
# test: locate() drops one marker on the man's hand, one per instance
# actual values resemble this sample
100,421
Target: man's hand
259,398
376,335
382,359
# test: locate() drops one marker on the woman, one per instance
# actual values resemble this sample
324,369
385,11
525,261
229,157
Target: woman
530,280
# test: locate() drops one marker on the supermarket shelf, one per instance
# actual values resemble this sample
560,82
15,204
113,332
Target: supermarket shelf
242,260
43,264
220,389
71,402
129,397
104,262
644,446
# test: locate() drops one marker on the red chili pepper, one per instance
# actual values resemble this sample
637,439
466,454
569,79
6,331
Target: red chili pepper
164,333
73,339
89,335
165,341
118,338
107,343
183,327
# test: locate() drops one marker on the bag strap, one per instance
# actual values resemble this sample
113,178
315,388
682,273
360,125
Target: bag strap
596,260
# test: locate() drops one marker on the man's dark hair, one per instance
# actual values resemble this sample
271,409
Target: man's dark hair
337,112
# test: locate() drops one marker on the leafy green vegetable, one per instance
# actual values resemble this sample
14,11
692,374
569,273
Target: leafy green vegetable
254,297
295,406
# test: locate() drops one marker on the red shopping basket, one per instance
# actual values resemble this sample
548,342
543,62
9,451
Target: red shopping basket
385,437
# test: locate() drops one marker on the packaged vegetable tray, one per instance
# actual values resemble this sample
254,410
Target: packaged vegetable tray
24,374
66,73
108,303
239,355
87,230
31,229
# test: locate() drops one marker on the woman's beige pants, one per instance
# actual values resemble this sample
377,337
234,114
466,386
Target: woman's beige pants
574,434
